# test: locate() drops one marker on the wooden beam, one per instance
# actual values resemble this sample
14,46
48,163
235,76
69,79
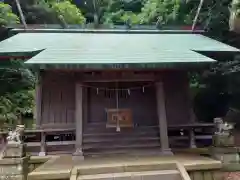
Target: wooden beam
118,76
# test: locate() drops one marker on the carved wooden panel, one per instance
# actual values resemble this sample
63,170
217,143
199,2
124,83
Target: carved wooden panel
123,117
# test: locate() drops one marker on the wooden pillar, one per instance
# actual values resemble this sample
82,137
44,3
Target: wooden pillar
38,100
43,144
79,119
162,117
192,118
192,140
85,106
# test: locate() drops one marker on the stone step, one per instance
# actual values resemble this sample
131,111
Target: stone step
103,124
103,128
122,133
120,145
128,166
119,139
140,150
99,140
155,151
153,175
122,130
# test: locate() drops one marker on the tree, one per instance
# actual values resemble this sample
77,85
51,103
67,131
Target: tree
7,17
61,12
165,12
68,12
14,105
16,95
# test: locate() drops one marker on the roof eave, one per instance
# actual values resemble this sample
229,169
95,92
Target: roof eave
129,31
150,66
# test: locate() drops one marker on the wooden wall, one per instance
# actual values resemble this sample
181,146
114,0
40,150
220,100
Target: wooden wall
58,100
142,104
177,95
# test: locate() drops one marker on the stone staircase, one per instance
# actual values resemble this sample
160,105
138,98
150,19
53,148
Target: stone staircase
99,140
154,175
154,171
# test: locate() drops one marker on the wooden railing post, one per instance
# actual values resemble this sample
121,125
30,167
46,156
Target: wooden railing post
43,144
192,142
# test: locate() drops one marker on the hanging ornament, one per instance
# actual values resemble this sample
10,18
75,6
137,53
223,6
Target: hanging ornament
129,92
143,89
97,91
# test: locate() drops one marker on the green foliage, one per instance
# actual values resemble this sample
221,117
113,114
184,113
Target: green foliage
68,12
15,76
163,12
121,17
112,12
130,18
61,12
7,17
16,95
14,105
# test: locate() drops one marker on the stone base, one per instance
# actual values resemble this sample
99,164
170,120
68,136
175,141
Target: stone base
42,154
167,152
227,158
13,177
14,168
233,167
226,155
78,154
14,151
223,140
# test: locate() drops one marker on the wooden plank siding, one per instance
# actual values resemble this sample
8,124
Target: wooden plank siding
176,87
58,107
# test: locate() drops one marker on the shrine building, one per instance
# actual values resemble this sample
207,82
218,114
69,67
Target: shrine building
118,89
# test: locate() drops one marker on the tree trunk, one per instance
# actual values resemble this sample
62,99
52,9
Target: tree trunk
197,14
21,14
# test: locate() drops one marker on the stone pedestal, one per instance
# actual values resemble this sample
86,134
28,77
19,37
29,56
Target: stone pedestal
14,163
13,160
14,168
223,149
226,154
223,140
14,151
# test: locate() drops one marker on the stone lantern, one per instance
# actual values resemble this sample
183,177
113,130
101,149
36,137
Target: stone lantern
223,148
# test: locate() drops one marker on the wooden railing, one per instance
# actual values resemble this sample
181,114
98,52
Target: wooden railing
40,141
191,135
37,138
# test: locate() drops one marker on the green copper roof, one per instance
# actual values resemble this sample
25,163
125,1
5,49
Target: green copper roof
96,49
